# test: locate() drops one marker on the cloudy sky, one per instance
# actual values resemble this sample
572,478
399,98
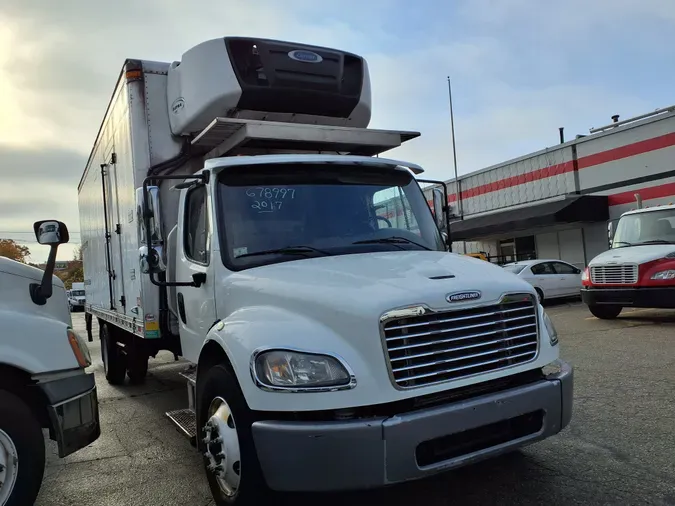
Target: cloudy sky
520,70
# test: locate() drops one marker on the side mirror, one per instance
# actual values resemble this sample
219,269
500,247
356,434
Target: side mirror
439,208
151,259
151,253
49,233
610,232
155,215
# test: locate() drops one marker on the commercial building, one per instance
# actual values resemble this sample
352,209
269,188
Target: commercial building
557,202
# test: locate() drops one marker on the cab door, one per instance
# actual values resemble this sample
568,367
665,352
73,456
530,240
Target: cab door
195,305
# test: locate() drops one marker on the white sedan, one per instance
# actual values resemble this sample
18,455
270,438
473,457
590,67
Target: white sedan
551,278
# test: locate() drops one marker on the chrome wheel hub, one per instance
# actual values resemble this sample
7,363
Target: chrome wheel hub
9,466
221,443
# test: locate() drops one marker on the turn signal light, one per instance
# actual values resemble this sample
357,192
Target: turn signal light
586,275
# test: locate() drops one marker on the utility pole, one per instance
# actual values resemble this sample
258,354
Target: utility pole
458,189
454,150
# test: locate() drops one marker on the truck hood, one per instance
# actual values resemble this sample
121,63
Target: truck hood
28,272
370,284
633,254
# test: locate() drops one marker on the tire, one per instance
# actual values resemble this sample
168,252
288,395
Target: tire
114,360
604,312
540,294
219,384
20,432
137,366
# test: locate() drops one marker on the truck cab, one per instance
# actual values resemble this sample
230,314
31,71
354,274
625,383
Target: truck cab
639,268
316,296
43,383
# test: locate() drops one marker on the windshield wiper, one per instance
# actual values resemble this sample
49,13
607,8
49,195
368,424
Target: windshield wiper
654,241
287,250
392,240
623,242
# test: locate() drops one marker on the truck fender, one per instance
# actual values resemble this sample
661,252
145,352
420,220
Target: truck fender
253,328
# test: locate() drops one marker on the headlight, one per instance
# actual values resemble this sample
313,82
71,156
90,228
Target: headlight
669,274
550,328
295,370
585,276
79,348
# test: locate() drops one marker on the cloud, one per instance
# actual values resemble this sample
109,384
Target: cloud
520,70
39,184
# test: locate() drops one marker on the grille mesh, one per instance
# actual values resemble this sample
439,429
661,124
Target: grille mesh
436,347
625,274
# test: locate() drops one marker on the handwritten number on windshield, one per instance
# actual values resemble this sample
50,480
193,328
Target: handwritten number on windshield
271,193
267,206
269,200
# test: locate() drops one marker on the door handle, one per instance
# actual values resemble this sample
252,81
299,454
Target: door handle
181,308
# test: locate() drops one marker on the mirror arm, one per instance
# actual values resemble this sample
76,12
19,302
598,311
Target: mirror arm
198,279
40,292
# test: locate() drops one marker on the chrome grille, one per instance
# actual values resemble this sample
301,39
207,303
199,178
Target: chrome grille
425,347
624,274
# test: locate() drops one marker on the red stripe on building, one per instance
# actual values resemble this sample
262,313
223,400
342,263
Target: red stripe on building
637,148
651,192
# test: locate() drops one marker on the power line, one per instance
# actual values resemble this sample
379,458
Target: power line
31,232
23,241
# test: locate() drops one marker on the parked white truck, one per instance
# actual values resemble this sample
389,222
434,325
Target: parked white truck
639,269
76,297
43,383
233,212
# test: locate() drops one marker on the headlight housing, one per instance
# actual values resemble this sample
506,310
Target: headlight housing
293,370
550,328
664,275
79,347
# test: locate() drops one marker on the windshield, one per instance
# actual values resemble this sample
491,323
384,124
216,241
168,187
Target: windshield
514,268
77,293
320,210
651,227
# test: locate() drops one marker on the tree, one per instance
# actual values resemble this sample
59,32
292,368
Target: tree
11,249
74,273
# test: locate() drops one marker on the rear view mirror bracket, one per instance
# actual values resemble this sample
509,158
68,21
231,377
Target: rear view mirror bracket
50,233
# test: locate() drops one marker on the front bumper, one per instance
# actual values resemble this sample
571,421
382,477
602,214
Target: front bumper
367,453
73,412
652,297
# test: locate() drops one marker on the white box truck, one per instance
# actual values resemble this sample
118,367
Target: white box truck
76,297
43,382
234,211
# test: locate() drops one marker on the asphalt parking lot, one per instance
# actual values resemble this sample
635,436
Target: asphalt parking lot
618,450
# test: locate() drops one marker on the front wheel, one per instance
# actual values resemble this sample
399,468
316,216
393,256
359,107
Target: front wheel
22,452
230,459
605,312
